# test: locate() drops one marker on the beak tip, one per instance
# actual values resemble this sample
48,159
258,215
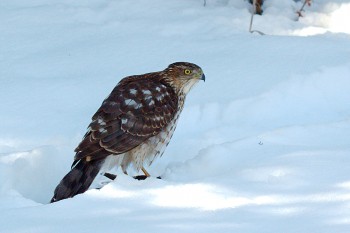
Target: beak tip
203,77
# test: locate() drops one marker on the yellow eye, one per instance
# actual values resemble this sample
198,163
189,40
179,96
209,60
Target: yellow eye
187,71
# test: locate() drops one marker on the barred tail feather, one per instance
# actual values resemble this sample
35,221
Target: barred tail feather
78,180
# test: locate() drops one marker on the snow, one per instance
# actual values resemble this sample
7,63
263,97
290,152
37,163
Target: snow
261,146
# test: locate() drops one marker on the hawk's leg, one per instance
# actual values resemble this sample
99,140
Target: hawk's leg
145,172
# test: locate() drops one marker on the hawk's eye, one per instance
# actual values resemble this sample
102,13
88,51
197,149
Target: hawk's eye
187,71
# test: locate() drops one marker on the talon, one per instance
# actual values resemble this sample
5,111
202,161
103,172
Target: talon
141,177
110,176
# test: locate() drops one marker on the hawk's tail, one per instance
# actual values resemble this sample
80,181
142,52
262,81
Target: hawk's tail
78,180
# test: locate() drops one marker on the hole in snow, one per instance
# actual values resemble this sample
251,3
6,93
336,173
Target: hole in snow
33,174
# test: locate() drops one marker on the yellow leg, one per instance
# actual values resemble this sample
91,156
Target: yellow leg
145,172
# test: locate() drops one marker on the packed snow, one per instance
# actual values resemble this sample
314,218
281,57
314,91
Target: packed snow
262,146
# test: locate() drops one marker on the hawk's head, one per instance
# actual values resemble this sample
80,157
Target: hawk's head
183,75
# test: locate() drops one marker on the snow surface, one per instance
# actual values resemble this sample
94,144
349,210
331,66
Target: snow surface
261,146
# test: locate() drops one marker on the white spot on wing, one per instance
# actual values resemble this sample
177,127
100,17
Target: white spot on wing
102,130
146,92
133,91
160,88
138,106
160,97
130,102
124,121
101,122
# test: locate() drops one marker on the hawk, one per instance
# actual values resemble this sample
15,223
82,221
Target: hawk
132,127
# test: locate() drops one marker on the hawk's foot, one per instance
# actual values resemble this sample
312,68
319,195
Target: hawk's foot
140,177
143,177
110,176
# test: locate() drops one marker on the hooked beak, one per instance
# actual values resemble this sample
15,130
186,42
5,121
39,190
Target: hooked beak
203,77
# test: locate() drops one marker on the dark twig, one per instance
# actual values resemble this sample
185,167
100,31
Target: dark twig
299,12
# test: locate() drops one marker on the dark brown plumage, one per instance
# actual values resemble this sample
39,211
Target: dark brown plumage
133,125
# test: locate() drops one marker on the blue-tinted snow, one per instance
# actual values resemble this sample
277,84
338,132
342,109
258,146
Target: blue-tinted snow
261,146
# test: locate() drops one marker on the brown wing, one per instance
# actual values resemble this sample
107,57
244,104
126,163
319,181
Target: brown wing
137,109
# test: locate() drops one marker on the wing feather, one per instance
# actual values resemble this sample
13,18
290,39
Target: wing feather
137,109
